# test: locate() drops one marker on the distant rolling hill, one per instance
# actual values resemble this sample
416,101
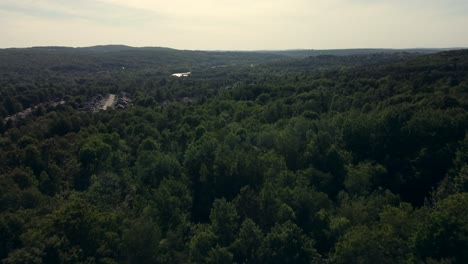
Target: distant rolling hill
302,53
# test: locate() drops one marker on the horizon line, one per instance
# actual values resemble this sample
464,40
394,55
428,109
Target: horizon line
234,50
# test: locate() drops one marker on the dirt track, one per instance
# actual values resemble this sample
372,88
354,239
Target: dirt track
109,102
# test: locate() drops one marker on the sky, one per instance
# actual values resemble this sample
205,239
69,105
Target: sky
236,24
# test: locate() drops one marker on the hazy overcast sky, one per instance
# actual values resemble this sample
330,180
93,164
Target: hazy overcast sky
236,24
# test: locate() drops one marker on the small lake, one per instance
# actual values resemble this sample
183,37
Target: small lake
181,74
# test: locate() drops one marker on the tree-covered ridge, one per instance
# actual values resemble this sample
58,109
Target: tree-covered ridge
360,159
30,77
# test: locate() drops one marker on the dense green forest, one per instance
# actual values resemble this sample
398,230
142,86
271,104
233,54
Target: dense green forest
256,157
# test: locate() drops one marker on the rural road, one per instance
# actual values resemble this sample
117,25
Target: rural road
109,102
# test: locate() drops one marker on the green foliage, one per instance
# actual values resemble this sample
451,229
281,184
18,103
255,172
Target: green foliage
324,159
444,235
362,178
362,244
172,202
201,243
286,243
224,221
247,245
153,167
219,255
141,241
11,227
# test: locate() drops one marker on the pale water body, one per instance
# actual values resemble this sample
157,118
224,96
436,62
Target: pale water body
181,74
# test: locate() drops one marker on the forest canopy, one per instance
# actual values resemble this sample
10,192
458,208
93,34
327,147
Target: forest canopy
267,157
